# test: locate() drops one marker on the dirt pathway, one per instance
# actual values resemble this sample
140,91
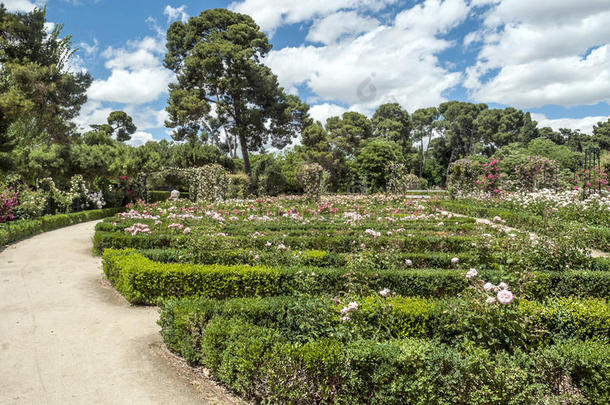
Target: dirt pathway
66,338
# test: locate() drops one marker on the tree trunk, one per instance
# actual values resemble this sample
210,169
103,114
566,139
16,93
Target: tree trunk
247,168
421,152
449,166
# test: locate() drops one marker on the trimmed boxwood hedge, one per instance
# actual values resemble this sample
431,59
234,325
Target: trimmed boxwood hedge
338,243
301,319
600,235
18,230
143,281
264,366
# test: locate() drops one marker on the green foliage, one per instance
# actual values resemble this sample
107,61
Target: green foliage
19,230
372,162
266,365
36,83
122,125
349,132
239,185
221,52
143,281
390,121
267,176
310,177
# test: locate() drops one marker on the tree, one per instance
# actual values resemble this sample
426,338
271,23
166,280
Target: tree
424,125
499,127
392,122
217,58
349,131
459,124
601,134
372,162
122,125
7,144
316,148
35,81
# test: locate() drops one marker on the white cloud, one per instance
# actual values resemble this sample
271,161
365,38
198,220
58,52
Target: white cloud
22,5
89,49
92,113
137,75
535,53
321,112
270,14
585,125
389,63
124,86
568,80
144,117
49,27
176,13
334,26
140,138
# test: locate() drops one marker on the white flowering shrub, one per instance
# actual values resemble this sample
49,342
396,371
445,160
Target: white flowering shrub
310,178
208,183
400,180
58,199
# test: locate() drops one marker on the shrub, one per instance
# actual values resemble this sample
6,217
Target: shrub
144,282
239,186
19,230
262,365
310,178
463,175
400,180
208,183
158,195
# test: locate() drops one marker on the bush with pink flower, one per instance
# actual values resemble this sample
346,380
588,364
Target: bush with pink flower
487,314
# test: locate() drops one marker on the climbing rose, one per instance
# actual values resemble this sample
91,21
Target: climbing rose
385,292
455,260
505,297
408,263
503,286
488,286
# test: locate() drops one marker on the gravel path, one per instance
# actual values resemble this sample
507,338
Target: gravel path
66,338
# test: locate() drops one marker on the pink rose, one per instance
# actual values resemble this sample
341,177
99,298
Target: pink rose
505,297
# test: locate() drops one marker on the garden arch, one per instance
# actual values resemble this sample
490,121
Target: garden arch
206,183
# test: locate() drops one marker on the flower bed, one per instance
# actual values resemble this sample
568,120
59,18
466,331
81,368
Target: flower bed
375,299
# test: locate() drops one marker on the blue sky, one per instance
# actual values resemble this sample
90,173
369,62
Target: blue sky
551,58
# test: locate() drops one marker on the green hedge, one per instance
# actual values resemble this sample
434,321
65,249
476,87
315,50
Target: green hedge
304,319
321,258
116,240
317,258
600,235
263,366
340,244
143,281
18,230
158,195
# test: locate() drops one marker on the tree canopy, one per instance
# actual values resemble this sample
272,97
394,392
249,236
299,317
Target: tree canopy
217,57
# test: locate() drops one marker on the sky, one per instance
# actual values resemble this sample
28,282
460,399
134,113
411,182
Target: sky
548,57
